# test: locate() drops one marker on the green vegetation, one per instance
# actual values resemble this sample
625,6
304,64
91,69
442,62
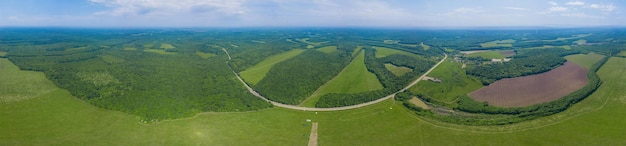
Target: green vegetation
112,59
498,43
527,62
159,51
2,54
356,50
354,78
291,81
584,60
487,55
167,46
205,55
130,49
455,84
425,47
397,70
622,54
256,73
20,85
328,49
379,124
384,52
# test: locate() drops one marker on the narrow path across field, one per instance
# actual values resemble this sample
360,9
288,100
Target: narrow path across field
253,92
313,136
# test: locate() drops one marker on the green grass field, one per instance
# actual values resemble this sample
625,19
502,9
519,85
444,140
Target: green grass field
166,46
454,83
487,54
328,49
498,43
585,60
17,85
2,54
112,59
356,50
384,52
205,55
257,72
397,70
426,47
159,51
129,49
622,54
56,118
353,79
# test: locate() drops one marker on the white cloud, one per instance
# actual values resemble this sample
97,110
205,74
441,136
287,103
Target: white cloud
609,7
552,3
575,3
466,10
516,8
557,9
168,7
580,15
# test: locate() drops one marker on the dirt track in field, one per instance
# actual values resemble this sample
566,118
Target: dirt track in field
533,89
313,136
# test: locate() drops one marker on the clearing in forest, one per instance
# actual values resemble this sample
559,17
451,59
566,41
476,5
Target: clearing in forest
419,103
498,43
328,49
584,60
487,55
397,70
159,51
384,52
257,72
2,54
354,78
18,85
356,50
533,89
167,46
130,48
454,83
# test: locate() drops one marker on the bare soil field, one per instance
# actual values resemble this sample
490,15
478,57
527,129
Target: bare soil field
533,89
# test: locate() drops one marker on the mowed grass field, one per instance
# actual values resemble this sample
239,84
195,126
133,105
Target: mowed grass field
257,72
354,78
397,70
17,85
56,118
454,83
487,54
328,49
584,60
384,52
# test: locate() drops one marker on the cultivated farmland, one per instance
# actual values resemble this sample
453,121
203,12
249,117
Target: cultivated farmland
533,89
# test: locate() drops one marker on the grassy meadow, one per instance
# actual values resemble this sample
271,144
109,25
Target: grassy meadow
498,43
487,54
454,83
159,51
257,72
397,70
585,60
353,79
384,52
57,118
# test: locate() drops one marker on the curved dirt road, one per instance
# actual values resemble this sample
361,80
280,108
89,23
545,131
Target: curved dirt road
334,108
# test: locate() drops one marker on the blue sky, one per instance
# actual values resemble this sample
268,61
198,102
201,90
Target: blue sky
376,13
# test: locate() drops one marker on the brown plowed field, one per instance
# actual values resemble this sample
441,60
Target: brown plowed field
533,89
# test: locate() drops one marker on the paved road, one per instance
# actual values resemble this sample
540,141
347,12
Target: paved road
334,108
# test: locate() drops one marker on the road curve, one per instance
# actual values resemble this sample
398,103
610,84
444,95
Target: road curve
253,92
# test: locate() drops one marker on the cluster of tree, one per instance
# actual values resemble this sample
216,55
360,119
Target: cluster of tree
293,80
390,82
527,62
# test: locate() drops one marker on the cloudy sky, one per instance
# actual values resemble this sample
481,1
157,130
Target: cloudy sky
245,13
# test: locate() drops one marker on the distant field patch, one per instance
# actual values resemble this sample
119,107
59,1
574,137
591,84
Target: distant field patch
498,43
167,46
257,72
2,54
454,83
584,60
508,53
425,47
130,48
356,50
391,41
580,42
354,78
487,54
384,52
419,103
18,85
549,47
257,41
306,40
622,54
205,55
112,59
159,51
533,89
328,49
397,70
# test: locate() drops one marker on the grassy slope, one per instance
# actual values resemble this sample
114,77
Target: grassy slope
623,54
20,85
384,52
487,54
57,118
354,78
584,60
498,43
455,83
397,70
328,49
257,72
